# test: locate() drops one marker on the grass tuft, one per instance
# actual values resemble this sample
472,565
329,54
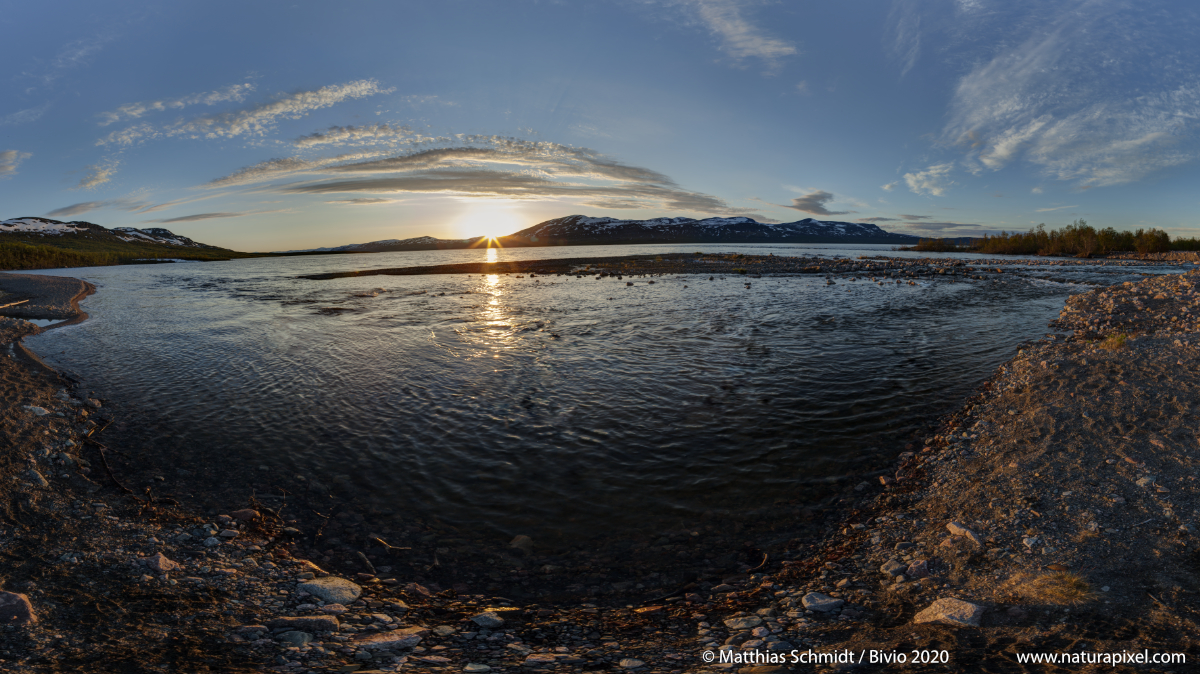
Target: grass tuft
1062,588
1115,342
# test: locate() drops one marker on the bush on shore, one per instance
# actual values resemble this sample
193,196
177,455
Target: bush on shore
938,245
1078,239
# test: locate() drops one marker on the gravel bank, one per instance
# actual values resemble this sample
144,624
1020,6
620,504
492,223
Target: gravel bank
1073,470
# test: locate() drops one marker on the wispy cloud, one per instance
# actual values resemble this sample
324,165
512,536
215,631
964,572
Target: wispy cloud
97,175
364,201
890,186
1084,90
934,180
879,219
1056,208
196,217
737,35
905,44
916,217
87,206
233,92
10,160
814,202
25,116
342,135
251,121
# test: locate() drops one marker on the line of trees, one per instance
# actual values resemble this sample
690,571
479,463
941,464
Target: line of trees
1077,239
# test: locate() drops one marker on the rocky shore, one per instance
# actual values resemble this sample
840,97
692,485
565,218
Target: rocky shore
1055,512
876,269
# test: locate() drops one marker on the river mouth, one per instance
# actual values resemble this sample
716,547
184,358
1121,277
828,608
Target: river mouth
666,430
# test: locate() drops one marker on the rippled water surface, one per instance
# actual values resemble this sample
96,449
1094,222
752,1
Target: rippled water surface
556,404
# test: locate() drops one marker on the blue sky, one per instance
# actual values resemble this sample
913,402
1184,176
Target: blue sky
268,126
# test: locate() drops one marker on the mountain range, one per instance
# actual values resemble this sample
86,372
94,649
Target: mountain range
581,230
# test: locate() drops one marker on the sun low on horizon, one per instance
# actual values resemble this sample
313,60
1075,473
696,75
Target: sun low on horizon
490,219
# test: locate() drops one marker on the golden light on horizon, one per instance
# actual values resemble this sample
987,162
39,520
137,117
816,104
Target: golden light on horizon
489,218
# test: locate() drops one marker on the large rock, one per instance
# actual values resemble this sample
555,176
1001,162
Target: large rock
332,590
815,601
316,623
15,609
959,530
159,563
953,612
406,637
743,623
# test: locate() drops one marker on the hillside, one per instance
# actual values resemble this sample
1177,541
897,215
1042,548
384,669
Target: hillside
42,243
581,230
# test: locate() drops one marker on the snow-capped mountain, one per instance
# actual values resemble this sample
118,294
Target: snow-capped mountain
582,230
26,228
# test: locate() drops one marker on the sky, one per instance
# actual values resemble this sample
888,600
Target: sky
271,125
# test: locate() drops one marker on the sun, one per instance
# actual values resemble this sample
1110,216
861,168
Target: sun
491,219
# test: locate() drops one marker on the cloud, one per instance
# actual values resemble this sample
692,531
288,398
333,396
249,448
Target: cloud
915,217
738,36
76,209
1087,92
233,92
199,216
196,217
25,116
10,160
97,175
251,121
814,202
879,219
932,181
802,87
85,206
946,229
1037,190
890,186
364,201
1056,208
905,46
341,135
485,167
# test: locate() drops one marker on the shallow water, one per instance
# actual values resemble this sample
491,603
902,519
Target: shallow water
539,405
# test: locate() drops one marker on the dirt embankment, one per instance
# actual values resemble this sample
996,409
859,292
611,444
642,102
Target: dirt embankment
1062,502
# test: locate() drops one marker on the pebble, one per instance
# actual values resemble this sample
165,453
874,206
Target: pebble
489,619
630,663
405,637
476,667
314,623
296,638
